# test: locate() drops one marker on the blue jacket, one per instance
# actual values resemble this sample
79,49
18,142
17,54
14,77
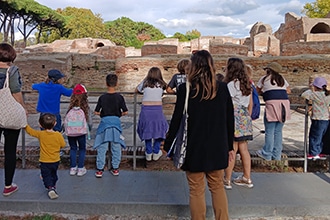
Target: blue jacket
50,96
109,130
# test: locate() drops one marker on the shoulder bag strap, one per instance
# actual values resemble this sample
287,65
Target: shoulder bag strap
6,84
185,110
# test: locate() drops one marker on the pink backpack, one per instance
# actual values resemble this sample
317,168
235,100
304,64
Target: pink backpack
75,123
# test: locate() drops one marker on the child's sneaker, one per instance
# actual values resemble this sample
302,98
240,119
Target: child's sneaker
148,157
114,172
99,173
8,191
242,181
323,156
81,171
73,171
227,184
52,194
156,157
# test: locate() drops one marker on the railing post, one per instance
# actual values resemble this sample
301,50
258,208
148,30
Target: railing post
23,148
134,131
305,136
23,140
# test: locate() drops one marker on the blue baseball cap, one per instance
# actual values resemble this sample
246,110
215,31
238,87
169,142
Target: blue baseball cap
55,74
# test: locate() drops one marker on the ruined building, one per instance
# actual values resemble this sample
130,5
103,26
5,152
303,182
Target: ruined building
301,45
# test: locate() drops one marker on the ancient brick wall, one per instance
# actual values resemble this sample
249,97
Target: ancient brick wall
158,49
292,30
110,52
296,48
220,48
91,69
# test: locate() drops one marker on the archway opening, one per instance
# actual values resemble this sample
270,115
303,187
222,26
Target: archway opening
320,28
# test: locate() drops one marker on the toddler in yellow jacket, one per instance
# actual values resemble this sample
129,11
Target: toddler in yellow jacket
51,143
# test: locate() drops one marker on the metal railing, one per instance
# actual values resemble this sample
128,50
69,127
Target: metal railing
134,100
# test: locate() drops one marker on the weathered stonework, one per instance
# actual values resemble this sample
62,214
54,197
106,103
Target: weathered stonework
304,35
301,46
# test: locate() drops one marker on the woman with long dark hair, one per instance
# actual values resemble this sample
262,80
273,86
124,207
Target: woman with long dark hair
210,135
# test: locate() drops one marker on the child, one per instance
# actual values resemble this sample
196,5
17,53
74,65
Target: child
50,93
178,78
50,144
152,125
274,90
320,116
78,104
240,90
110,106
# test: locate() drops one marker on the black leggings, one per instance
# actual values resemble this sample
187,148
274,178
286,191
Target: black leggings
10,146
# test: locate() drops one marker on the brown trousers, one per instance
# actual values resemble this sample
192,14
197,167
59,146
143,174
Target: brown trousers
197,201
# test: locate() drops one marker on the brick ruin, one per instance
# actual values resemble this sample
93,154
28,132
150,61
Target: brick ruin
301,45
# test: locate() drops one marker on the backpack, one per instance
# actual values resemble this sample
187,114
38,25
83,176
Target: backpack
256,103
75,123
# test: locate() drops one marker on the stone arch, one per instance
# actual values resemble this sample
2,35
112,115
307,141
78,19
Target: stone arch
99,44
261,28
320,28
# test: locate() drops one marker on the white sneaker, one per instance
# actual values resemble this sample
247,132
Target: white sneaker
158,155
52,194
148,157
227,184
81,171
73,171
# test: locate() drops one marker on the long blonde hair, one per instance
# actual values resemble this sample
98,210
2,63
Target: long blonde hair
201,75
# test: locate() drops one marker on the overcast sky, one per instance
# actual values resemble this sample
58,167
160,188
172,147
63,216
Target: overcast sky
210,17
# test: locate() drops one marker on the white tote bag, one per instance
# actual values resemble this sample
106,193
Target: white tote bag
12,113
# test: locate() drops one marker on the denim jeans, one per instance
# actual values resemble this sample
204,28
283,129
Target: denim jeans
49,174
316,133
115,155
155,148
74,142
272,149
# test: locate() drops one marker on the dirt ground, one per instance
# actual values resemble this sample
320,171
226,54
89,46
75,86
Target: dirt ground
165,164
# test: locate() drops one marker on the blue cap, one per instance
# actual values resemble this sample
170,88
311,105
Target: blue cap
55,74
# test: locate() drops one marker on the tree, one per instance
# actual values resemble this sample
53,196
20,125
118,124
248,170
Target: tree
180,36
7,16
188,36
128,33
29,14
317,9
193,34
78,23
83,23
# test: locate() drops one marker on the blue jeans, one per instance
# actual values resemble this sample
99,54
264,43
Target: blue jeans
272,149
115,155
49,174
316,133
153,149
81,141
